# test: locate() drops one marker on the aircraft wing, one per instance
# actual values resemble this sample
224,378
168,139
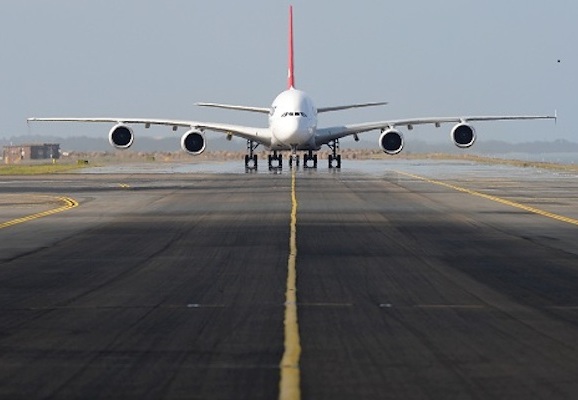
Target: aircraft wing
325,135
259,135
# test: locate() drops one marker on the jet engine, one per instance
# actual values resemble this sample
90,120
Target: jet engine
463,135
193,142
121,136
391,141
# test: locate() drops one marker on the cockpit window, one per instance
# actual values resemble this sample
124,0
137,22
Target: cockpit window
294,114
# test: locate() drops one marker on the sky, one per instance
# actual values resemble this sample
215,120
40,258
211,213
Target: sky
151,58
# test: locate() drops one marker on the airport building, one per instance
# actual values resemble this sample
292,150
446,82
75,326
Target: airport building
30,152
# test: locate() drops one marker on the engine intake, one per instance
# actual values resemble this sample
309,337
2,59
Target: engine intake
193,142
391,141
463,135
121,136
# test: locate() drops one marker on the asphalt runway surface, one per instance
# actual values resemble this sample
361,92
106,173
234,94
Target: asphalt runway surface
415,280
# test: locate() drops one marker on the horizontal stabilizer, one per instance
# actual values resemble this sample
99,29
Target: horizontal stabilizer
346,107
263,110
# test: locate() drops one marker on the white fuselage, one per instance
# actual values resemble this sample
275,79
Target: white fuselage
293,121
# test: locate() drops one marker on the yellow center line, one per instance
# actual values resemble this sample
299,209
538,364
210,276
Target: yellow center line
289,386
68,204
497,199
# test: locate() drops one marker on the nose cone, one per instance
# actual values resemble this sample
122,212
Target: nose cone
294,119
293,131
288,128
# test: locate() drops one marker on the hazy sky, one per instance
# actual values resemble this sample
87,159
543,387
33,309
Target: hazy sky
152,58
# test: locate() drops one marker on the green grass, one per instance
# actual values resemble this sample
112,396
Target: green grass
506,161
37,169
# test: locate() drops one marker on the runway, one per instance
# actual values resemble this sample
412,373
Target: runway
171,283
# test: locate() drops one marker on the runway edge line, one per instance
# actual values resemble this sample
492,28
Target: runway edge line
289,385
497,199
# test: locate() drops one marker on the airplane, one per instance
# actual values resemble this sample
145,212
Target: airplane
293,127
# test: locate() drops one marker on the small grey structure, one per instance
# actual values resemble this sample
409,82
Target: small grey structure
27,152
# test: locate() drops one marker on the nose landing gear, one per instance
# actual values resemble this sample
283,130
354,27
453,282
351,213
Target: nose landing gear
294,159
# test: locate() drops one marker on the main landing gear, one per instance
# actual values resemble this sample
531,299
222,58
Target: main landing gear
309,160
275,161
250,157
334,158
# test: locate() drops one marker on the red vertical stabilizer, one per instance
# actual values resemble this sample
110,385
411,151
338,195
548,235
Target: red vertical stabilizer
290,76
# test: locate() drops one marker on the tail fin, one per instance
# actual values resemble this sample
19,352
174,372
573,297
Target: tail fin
290,76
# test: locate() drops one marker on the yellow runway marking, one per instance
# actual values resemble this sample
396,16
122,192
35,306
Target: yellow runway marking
497,199
289,386
68,204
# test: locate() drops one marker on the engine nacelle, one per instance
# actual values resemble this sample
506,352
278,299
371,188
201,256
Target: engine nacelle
193,142
463,135
391,141
121,136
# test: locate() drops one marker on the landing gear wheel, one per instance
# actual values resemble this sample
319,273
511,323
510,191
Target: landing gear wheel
335,161
275,161
251,157
309,157
291,161
334,158
250,162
